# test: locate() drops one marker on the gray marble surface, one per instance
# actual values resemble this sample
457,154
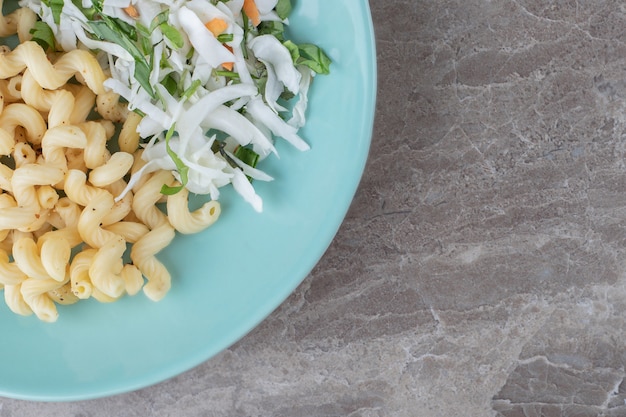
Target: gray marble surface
481,270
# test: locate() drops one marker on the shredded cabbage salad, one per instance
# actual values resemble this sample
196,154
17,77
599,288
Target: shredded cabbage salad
215,81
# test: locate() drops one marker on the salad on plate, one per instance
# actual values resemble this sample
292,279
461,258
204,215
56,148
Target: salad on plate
213,81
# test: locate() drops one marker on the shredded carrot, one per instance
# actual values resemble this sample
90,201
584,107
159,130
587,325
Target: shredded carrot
228,65
131,11
249,7
216,26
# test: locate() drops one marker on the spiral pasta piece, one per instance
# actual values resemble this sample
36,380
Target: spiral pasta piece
55,255
96,152
106,267
68,211
59,104
69,234
84,101
35,295
56,140
8,91
52,76
26,177
184,220
79,274
35,96
147,196
19,114
112,170
122,207
128,139
8,23
77,189
133,279
109,107
15,300
131,231
7,142
23,154
143,255
47,196
26,255
17,217
19,21
89,223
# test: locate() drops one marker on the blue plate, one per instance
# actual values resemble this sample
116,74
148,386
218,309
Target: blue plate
229,278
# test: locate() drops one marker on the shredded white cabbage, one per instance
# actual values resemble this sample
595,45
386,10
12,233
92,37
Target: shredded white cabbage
203,83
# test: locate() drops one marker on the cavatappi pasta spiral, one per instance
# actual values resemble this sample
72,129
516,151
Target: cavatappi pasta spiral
63,234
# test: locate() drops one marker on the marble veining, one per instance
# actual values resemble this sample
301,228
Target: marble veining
481,270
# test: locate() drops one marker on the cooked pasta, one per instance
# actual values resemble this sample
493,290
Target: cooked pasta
79,274
56,140
10,273
27,177
64,232
20,114
90,221
35,293
128,139
188,222
52,76
63,294
148,195
17,217
26,255
55,256
131,231
96,152
143,255
68,212
58,103
109,106
112,170
106,267
15,300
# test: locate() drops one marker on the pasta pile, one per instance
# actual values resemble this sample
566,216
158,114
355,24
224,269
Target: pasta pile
63,232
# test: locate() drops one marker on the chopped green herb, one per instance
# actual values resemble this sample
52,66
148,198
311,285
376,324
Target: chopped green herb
126,28
146,45
191,90
89,12
229,74
276,29
159,20
283,8
313,57
247,156
139,112
42,34
108,30
183,170
56,7
172,34
170,84
246,30
293,50
142,30
225,37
